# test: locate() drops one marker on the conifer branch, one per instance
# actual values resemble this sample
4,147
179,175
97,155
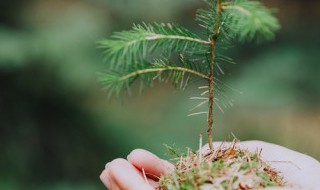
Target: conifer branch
148,72
161,69
174,37
238,8
250,20
134,45
129,52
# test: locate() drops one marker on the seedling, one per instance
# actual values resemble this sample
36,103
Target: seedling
169,52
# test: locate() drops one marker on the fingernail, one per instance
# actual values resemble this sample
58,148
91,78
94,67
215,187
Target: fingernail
107,165
129,156
105,179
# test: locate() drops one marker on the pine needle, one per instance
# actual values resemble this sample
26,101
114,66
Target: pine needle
198,113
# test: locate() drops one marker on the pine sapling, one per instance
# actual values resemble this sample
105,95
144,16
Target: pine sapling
169,52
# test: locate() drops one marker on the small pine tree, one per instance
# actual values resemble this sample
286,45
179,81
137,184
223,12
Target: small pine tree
149,51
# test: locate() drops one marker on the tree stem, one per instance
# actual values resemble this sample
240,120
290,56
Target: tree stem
211,75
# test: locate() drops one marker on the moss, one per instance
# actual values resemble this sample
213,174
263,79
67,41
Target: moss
227,168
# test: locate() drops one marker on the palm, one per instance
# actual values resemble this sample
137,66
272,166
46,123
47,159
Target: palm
300,171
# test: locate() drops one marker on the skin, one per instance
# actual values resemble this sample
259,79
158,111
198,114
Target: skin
299,170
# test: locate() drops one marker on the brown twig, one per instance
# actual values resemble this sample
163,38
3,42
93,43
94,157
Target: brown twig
211,75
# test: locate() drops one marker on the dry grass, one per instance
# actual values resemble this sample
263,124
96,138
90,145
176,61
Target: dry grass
226,168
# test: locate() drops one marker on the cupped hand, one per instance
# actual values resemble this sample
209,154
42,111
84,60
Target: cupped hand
142,169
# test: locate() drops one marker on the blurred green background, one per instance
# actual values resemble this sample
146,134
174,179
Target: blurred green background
57,128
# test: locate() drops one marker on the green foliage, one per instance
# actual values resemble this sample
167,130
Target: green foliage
133,54
131,47
243,20
206,18
130,51
173,151
178,74
249,20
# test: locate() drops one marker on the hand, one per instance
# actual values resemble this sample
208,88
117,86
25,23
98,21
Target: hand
300,171
140,171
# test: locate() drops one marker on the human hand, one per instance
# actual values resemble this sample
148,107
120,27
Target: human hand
140,171
300,171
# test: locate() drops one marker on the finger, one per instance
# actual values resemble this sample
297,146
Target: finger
150,163
125,176
105,178
153,183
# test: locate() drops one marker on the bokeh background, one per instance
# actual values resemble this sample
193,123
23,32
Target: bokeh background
58,129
